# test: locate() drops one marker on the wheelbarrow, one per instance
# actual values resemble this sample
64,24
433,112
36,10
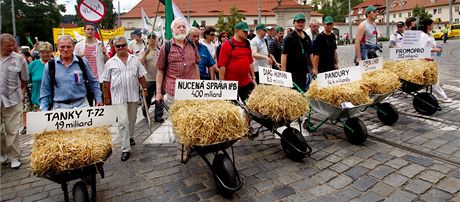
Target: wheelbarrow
424,102
223,168
292,141
87,174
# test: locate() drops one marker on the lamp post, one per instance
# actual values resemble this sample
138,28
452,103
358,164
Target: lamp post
13,17
349,19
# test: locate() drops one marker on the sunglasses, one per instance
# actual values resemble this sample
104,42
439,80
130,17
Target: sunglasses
225,36
212,34
120,45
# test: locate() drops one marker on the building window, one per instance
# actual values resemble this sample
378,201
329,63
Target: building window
457,8
203,23
400,14
394,15
360,11
439,11
255,21
409,14
434,11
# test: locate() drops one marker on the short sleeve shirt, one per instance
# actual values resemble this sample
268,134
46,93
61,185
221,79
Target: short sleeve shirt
13,70
151,64
261,47
237,61
298,52
325,46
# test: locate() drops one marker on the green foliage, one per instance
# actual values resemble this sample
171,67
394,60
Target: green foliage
421,13
226,23
33,17
110,17
335,8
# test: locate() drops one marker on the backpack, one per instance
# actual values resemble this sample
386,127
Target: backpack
248,45
52,73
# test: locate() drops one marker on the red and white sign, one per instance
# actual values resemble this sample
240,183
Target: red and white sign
92,10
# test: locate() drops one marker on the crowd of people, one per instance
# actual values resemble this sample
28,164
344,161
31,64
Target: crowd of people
87,74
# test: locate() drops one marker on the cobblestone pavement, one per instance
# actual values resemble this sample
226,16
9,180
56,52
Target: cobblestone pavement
416,159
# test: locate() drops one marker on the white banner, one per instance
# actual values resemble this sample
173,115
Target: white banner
148,24
66,119
371,64
411,39
409,53
270,76
205,90
338,77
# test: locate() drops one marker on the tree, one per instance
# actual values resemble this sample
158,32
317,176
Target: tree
109,20
226,23
336,8
421,13
36,18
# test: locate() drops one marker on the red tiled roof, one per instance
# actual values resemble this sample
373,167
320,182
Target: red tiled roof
204,8
399,5
314,13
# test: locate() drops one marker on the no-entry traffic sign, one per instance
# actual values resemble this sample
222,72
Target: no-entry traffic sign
91,10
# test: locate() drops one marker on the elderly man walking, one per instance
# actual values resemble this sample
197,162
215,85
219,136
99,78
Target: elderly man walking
13,80
124,72
180,63
63,81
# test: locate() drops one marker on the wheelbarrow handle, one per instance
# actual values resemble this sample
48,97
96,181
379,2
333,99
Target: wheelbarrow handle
162,102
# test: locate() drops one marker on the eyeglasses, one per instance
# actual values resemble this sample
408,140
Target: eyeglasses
120,45
225,36
212,34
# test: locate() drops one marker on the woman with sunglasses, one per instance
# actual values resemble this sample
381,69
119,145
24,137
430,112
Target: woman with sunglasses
223,36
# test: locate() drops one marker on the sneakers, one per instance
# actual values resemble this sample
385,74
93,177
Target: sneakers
24,131
3,159
15,164
448,100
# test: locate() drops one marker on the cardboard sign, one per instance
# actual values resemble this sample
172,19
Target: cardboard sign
409,53
411,39
91,10
371,64
338,77
206,90
275,77
66,119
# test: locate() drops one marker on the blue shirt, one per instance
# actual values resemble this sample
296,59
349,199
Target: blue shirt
206,61
70,83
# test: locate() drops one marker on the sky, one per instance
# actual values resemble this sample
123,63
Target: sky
125,5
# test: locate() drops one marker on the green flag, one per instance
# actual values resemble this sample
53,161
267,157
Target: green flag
30,41
195,24
169,17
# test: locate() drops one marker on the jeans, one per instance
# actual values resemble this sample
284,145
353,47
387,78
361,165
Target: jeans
364,51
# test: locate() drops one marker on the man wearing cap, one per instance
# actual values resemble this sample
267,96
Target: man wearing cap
259,47
366,37
325,49
95,52
138,44
236,63
397,37
270,37
276,47
297,52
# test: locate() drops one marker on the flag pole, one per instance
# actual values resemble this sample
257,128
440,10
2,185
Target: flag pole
100,34
156,15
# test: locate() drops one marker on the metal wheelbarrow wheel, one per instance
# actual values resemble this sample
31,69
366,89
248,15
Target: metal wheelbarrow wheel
80,192
355,130
387,113
225,174
425,103
292,141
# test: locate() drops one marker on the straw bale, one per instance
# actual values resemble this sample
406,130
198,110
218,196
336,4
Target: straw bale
420,71
352,92
199,122
63,150
381,81
278,103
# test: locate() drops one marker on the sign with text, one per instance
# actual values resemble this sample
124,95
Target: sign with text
275,77
371,64
91,10
411,39
409,53
206,90
66,119
338,77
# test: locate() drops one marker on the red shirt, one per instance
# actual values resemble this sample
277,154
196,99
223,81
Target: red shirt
237,62
182,64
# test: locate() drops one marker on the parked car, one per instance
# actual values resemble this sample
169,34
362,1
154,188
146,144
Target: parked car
454,31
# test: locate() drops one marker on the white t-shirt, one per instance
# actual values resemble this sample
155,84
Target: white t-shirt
427,41
259,45
210,46
136,47
396,39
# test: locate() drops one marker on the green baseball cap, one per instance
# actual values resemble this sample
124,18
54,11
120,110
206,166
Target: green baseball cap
242,26
328,19
370,8
261,27
299,16
279,29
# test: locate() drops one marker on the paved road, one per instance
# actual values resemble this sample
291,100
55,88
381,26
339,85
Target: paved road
417,159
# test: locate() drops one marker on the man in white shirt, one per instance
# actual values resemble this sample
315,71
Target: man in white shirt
313,29
138,44
124,72
397,37
259,47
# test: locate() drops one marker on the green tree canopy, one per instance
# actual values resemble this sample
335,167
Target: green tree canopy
335,8
226,23
35,18
109,20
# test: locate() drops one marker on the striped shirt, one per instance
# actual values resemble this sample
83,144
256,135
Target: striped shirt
124,83
182,64
13,70
90,55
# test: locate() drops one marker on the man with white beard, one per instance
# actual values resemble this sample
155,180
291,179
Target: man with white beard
180,63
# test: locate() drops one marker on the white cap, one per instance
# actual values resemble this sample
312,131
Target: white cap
269,27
